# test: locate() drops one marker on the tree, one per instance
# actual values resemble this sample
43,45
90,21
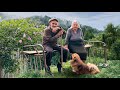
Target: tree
115,50
110,35
89,32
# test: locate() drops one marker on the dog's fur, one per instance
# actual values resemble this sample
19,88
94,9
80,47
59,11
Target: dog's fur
79,67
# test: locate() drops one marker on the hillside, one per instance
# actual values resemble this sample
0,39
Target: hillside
88,31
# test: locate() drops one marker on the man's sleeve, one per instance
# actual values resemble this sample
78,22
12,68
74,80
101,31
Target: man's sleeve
48,37
82,34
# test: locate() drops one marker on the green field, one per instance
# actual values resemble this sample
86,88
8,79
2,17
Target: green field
111,71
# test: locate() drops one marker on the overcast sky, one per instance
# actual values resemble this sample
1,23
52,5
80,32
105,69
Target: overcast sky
95,19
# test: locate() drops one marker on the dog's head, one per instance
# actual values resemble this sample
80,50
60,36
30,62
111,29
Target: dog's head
75,56
93,68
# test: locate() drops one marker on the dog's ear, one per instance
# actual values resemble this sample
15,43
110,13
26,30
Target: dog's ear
71,61
80,67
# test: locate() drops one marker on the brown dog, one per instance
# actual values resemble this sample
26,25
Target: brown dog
79,67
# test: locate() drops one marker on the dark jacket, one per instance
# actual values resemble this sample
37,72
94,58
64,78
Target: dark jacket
50,38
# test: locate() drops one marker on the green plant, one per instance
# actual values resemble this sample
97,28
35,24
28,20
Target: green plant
14,34
115,50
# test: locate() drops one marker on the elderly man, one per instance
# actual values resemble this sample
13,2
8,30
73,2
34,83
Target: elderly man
51,35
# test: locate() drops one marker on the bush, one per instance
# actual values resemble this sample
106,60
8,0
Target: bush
115,50
15,34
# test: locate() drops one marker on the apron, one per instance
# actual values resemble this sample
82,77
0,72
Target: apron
78,47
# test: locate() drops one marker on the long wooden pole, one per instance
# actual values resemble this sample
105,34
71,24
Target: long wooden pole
61,51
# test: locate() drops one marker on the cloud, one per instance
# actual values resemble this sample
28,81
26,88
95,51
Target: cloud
95,19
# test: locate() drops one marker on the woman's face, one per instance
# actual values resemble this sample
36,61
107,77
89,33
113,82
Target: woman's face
75,25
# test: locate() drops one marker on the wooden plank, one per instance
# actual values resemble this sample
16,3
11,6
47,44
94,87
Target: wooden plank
32,52
88,45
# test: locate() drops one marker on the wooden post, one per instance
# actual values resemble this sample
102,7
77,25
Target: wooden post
44,58
105,53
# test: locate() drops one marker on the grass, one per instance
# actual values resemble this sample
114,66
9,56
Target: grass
111,71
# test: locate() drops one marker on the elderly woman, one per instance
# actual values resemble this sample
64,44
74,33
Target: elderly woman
74,41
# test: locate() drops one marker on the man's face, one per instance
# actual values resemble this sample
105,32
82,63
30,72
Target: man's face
53,24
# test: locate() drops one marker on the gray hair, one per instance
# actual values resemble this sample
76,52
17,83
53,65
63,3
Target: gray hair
75,21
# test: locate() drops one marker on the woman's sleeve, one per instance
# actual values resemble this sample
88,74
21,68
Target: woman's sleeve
67,38
82,34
